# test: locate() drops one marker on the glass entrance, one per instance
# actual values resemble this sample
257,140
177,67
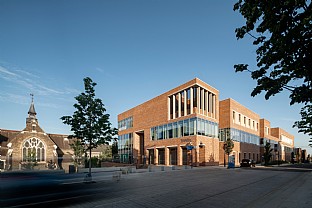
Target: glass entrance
151,157
184,155
173,156
161,156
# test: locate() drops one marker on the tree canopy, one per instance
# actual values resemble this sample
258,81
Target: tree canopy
229,145
282,30
90,123
267,153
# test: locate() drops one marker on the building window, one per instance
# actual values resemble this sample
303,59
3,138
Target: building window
188,91
125,123
239,118
186,127
160,132
170,131
33,150
266,130
195,97
233,116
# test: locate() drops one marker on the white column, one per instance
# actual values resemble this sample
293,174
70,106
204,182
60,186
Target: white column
214,106
169,108
210,103
191,97
173,104
206,98
202,101
185,102
198,100
179,105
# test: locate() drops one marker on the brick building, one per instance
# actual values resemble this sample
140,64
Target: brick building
17,148
242,126
179,127
188,125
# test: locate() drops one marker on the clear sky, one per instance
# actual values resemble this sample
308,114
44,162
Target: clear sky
134,50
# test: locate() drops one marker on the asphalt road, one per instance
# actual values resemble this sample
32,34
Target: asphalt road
197,187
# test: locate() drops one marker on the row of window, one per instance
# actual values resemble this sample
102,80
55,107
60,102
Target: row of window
238,135
245,121
263,141
187,127
125,123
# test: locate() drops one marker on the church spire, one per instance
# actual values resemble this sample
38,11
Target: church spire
32,112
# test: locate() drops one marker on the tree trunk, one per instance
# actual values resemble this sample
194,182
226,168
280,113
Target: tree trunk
90,164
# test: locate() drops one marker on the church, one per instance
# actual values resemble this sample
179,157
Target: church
33,145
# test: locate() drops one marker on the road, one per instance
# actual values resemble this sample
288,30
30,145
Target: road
197,187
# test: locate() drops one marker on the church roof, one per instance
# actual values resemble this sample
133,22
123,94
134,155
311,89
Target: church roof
32,111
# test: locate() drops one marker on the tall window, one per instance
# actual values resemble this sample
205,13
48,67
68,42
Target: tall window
33,150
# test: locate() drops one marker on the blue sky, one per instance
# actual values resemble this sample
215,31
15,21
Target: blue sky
134,50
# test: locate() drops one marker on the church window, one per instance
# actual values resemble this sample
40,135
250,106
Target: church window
33,150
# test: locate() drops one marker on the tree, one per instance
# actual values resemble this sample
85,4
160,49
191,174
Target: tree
79,150
115,147
228,147
267,153
282,30
106,154
89,123
305,124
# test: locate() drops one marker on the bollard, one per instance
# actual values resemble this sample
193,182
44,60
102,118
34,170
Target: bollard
162,168
149,168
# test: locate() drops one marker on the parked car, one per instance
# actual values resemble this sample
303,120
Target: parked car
247,163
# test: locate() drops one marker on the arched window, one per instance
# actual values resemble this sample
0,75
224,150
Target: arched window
33,150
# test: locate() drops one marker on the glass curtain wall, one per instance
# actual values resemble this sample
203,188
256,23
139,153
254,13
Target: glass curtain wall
125,147
187,127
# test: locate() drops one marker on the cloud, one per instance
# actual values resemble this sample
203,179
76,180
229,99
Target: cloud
30,82
6,71
14,98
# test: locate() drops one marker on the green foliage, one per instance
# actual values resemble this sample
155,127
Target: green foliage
31,160
229,145
115,147
305,124
282,33
106,154
267,153
89,123
79,150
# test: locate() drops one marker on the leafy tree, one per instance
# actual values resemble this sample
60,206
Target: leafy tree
115,147
282,32
267,153
79,150
106,154
228,147
89,123
305,124
31,160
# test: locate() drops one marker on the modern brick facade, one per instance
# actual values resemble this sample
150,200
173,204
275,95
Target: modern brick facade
165,128
188,125
242,126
